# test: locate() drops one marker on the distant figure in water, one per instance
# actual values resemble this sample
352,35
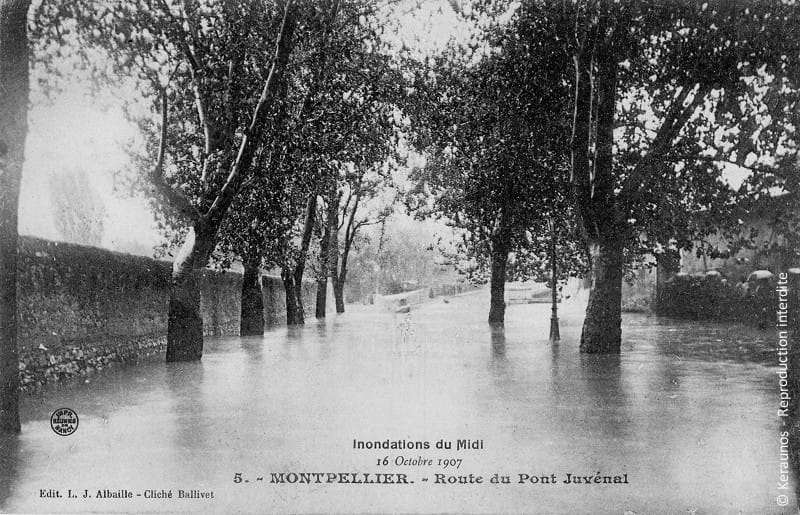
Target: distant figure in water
446,301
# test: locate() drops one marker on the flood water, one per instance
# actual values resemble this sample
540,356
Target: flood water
686,414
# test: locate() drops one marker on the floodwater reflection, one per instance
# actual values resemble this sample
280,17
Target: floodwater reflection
686,412
601,376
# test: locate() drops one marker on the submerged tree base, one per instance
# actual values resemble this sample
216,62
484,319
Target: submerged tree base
497,286
599,344
185,329
295,314
602,327
322,298
252,313
497,315
338,293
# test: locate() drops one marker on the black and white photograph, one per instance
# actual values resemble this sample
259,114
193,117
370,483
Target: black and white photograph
400,256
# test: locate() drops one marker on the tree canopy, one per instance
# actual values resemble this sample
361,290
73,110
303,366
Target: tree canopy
495,130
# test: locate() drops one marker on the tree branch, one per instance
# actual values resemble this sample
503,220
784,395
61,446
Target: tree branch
174,198
580,177
228,98
674,122
190,56
308,229
349,231
680,158
345,206
635,125
316,82
196,70
192,32
252,134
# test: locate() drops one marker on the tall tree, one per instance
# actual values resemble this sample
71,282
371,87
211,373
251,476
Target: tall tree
353,125
335,115
649,109
328,243
211,69
303,194
259,229
492,126
14,90
361,207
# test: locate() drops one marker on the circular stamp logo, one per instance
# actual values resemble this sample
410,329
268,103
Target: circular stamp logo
64,421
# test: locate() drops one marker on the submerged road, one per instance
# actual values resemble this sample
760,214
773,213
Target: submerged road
686,416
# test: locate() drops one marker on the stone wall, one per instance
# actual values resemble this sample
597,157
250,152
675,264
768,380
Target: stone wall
83,308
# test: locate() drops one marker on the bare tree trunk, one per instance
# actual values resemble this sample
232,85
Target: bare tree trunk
593,185
297,316
338,289
325,259
252,318
497,286
14,89
300,303
322,277
602,327
349,236
333,255
555,333
338,294
294,306
185,321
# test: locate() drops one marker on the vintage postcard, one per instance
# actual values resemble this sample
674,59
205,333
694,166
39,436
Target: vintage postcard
399,256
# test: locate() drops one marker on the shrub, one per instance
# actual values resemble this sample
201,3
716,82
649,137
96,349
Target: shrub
709,297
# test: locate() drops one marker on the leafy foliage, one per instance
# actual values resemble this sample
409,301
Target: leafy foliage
194,71
337,122
494,130
700,93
